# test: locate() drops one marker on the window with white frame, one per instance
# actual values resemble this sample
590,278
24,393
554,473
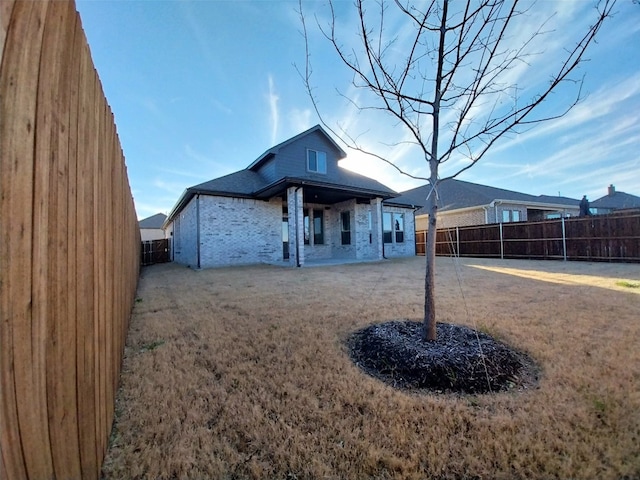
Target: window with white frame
316,161
510,216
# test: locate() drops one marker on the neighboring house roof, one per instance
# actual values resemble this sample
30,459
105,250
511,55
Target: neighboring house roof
155,221
616,201
337,186
456,194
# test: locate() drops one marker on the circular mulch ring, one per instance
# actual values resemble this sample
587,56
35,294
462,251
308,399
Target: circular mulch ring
461,360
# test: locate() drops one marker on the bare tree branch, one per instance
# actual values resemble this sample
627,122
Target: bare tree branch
448,88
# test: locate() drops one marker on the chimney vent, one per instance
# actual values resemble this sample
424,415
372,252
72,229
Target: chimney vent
612,190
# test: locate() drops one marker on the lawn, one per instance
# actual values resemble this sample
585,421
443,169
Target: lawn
244,373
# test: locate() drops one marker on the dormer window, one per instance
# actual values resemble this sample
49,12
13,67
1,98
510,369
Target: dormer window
316,161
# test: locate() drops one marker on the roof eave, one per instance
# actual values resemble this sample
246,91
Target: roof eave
280,185
492,204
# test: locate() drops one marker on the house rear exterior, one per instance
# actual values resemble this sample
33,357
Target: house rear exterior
293,205
615,201
151,227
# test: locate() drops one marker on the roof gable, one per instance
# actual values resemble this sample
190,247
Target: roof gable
277,149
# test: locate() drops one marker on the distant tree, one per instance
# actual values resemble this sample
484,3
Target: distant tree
446,76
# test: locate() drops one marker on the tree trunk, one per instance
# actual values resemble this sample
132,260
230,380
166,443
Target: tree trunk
429,325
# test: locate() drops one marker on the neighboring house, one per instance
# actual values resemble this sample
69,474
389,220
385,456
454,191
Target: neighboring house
151,227
292,205
614,201
463,203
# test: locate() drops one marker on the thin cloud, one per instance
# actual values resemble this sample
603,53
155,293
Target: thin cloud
272,99
300,119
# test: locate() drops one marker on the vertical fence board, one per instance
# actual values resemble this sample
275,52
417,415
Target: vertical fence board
30,331
55,81
84,254
6,6
18,81
109,268
99,272
72,237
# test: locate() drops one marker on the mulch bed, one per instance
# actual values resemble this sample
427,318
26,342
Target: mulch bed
461,360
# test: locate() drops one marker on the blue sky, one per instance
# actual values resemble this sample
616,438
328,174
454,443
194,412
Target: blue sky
200,89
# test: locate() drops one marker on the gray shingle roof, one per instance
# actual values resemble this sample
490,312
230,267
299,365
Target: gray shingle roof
154,221
455,194
249,183
617,201
243,183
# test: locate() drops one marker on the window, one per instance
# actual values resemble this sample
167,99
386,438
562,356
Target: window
398,225
316,161
318,224
346,228
386,227
510,216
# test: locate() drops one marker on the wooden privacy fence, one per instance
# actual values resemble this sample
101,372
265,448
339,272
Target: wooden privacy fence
610,238
69,259
155,251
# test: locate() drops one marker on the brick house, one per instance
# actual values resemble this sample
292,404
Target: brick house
151,227
615,201
294,204
463,203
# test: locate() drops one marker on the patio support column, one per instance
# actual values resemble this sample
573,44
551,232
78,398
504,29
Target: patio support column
295,208
376,228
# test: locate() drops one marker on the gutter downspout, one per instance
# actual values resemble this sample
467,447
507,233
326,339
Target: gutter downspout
382,227
198,230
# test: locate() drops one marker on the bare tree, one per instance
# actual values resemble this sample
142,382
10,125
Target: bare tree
447,77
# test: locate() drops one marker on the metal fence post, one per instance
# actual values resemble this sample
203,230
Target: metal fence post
501,243
564,242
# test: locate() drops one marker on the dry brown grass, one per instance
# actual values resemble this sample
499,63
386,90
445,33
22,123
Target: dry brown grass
242,373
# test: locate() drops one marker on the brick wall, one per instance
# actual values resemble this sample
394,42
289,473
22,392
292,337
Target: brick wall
235,231
461,219
185,236
408,246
